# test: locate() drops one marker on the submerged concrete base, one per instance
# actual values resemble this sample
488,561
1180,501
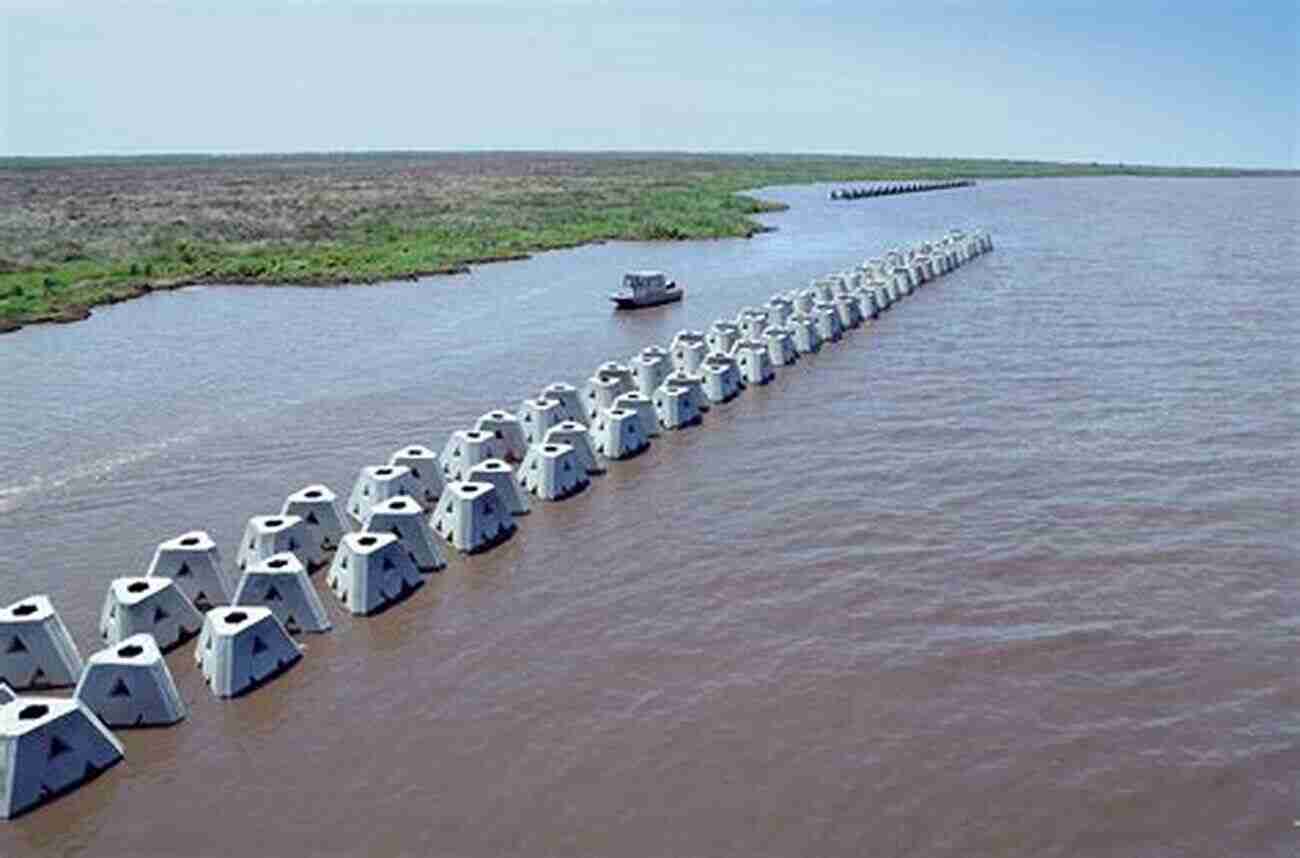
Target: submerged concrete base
240,648
372,571
193,561
552,471
130,685
49,746
280,584
471,517
153,606
405,519
36,650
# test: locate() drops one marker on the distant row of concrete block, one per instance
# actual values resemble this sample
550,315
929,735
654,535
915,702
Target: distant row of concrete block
890,189
392,530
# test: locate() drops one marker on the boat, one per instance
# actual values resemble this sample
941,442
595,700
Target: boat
646,289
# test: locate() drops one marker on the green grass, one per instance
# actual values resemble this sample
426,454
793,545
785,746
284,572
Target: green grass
93,231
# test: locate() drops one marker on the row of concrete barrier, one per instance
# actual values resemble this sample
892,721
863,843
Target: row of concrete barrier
409,510
894,188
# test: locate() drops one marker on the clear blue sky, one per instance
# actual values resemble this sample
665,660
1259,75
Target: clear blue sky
1140,82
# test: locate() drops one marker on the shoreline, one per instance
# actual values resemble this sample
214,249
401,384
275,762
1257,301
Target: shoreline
89,233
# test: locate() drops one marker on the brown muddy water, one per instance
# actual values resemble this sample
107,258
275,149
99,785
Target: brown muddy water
1014,572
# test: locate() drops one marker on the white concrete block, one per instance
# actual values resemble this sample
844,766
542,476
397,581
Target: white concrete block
575,435
242,647
849,309
153,606
604,387
6,693
804,301
49,746
688,350
425,472
569,398
323,519
538,415
621,371
472,517
803,331
465,449
265,535
779,310
675,407
129,685
721,337
552,472
754,361
405,519
721,378
36,650
617,434
498,473
780,346
193,561
828,322
693,382
280,584
644,407
822,286
650,368
509,431
372,571
376,484
752,323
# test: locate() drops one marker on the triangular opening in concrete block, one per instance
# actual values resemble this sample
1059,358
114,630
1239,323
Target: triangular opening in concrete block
312,519
201,601
119,689
272,594
184,571
291,624
16,645
388,564
159,614
58,747
259,645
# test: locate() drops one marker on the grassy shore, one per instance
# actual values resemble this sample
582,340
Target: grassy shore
75,233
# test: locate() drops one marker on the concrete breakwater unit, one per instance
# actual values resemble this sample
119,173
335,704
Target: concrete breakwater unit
895,188
374,546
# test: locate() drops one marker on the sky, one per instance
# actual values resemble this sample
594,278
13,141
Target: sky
1183,84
